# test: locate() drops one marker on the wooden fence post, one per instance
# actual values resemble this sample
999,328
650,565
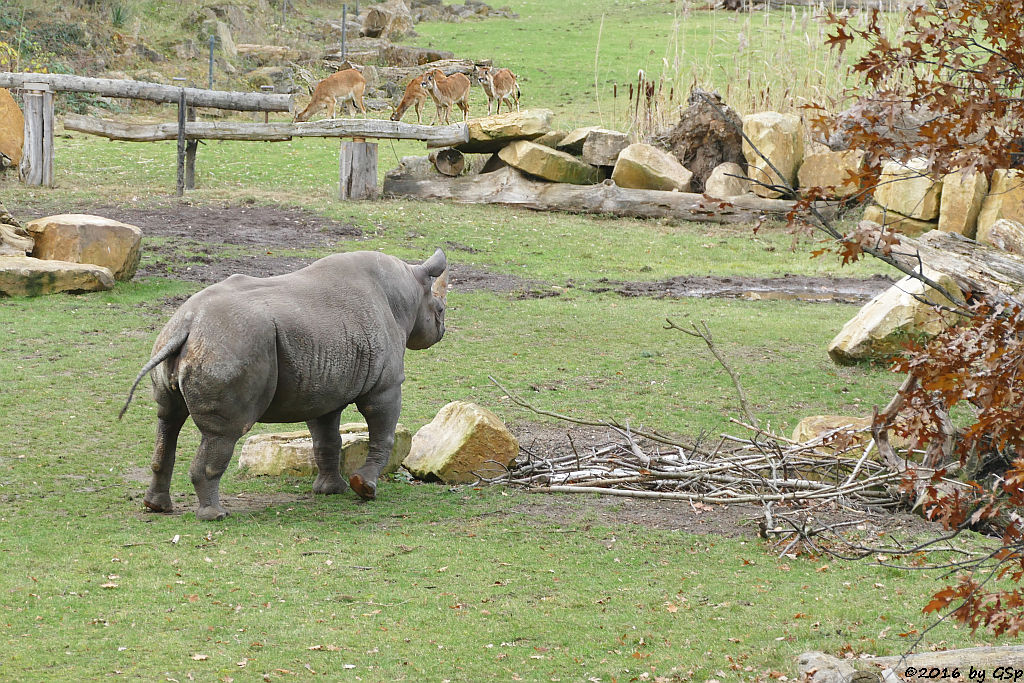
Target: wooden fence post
190,153
37,160
357,173
181,143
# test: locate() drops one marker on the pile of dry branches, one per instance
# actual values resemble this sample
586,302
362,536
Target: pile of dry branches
735,471
762,469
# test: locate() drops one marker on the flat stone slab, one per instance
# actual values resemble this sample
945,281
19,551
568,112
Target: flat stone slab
27,276
549,164
491,133
291,453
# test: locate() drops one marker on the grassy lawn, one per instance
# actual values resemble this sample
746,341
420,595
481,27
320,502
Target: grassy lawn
431,582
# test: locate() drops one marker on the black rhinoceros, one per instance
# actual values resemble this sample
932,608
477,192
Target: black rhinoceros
289,348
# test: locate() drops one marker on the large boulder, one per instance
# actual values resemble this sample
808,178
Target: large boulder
222,31
960,202
728,179
1005,198
832,171
645,167
27,276
549,164
1004,234
907,309
80,238
392,20
780,138
602,147
909,189
12,129
462,440
282,78
707,135
291,453
911,227
491,133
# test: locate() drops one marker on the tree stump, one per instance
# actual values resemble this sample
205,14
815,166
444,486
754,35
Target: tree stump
357,174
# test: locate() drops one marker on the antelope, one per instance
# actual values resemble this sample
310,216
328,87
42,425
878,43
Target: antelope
498,85
413,97
346,86
446,91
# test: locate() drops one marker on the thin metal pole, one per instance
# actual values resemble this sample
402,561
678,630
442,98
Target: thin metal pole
213,39
284,11
344,29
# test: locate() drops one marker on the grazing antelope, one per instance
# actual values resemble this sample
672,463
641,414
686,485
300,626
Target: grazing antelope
413,97
498,85
346,86
446,91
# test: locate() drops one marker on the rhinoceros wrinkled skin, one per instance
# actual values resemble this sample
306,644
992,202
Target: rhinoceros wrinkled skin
289,348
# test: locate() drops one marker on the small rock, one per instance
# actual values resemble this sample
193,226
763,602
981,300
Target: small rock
573,142
908,189
780,138
291,453
549,164
462,439
602,147
728,179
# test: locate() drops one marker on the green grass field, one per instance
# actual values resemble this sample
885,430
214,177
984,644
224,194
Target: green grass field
431,582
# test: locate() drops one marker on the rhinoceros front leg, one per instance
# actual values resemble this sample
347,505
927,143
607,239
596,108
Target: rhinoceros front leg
158,496
211,460
326,453
381,412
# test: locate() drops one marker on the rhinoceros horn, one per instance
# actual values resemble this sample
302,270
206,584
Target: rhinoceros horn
440,286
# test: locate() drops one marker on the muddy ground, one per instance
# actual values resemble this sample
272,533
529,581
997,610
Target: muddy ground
257,233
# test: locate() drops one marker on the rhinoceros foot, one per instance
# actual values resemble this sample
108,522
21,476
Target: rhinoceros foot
211,513
158,502
367,490
327,486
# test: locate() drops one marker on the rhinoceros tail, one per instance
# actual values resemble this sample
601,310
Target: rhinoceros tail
170,348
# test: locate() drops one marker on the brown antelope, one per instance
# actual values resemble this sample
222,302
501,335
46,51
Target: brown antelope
498,85
446,91
346,86
413,97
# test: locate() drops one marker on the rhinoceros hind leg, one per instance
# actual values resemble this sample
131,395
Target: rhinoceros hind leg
158,496
366,489
327,453
212,459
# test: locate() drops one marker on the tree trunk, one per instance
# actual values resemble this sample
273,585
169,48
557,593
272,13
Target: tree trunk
974,267
155,92
358,170
510,187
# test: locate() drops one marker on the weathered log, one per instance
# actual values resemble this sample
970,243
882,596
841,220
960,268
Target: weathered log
508,186
155,92
235,130
37,160
402,74
974,267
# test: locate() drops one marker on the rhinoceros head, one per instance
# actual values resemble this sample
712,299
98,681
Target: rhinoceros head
432,275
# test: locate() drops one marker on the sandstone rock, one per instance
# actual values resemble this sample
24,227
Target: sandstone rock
407,55
818,667
892,220
491,133
727,180
908,189
221,30
573,142
26,276
645,167
391,20
830,169
549,164
960,202
1005,198
551,139
602,147
80,238
1004,234
266,54
780,138
879,328
816,426
12,128
292,452
282,78
462,439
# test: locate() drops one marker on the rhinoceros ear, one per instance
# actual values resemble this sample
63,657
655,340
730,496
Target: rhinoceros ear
440,286
435,265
